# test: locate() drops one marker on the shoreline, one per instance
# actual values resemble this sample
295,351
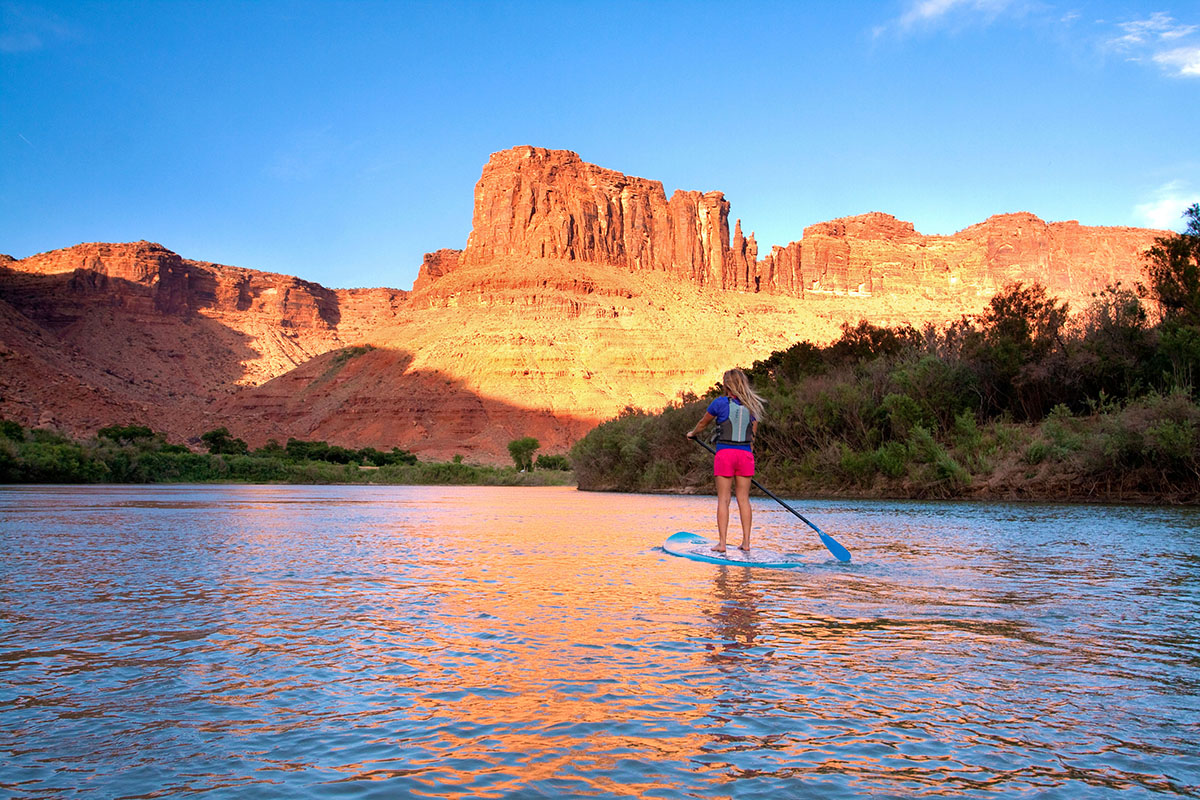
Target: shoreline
558,481
1111,499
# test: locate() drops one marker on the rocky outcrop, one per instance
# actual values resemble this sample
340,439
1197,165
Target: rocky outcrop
436,264
144,277
780,272
550,204
878,254
381,398
542,348
742,271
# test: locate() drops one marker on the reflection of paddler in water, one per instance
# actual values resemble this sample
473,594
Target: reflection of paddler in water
736,413
735,614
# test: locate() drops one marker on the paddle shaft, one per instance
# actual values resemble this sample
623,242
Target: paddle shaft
767,492
841,553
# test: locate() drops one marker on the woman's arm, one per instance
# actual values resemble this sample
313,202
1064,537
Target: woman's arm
701,425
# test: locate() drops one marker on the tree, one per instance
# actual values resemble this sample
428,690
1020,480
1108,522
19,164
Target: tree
552,462
125,434
272,449
220,441
1173,266
1021,331
1116,353
522,451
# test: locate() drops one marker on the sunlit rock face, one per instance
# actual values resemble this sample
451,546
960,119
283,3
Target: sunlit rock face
549,204
580,291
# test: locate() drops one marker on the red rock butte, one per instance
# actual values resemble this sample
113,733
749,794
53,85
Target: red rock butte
580,291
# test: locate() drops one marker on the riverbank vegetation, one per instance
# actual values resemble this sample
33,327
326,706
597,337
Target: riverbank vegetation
1023,401
135,454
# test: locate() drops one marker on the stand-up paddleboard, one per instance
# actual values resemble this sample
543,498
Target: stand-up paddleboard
697,548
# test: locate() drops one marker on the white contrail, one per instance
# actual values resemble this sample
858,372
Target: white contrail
23,139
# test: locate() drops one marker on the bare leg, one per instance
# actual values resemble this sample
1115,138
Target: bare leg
724,490
744,510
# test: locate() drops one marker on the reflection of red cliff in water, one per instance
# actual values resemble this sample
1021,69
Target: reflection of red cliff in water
545,642
580,291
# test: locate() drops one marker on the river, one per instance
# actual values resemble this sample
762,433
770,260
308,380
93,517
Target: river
358,642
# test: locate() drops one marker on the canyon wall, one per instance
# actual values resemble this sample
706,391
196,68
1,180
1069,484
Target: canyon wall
282,320
580,291
549,204
138,328
534,203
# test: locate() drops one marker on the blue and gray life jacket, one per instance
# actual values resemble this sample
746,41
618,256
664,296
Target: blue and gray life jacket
738,428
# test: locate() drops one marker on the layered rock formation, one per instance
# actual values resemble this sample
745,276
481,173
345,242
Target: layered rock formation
876,253
580,291
549,204
164,336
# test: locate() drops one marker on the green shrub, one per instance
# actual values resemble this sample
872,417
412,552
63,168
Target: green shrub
60,462
892,459
859,468
922,447
558,462
902,413
1062,429
1174,442
949,473
219,441
1037,452
660,476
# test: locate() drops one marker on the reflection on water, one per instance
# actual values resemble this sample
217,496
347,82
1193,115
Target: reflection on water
487,642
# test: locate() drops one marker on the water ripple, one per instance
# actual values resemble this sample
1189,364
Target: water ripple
512,643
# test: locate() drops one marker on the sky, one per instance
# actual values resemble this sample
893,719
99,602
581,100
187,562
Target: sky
340,141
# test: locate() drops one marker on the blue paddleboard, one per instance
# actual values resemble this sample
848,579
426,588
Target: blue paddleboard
697,548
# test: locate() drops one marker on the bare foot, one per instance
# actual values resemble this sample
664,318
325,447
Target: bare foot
744,548
718,549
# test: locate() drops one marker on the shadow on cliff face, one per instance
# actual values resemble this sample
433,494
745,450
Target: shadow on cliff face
119,342
372,397
168,355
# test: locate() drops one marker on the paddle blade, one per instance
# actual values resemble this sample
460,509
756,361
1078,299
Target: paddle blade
839,552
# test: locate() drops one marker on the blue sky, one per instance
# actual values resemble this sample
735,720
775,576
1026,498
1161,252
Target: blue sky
341,141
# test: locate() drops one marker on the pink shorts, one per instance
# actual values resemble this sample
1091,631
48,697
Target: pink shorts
731,461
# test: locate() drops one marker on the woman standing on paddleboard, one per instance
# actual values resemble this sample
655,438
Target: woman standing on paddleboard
737,414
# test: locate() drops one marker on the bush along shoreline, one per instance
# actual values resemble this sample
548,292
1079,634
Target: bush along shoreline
135,454
1140,452
1021,402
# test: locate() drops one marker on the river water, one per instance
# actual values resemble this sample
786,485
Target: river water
284,641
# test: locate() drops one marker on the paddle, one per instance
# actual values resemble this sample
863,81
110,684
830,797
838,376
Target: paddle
839,552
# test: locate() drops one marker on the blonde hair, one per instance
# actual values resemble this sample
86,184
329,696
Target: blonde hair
737,384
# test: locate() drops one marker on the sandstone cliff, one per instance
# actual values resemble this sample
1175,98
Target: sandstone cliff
580,291
549,204
534,203
162,335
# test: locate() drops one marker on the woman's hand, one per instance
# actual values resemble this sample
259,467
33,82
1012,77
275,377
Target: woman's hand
701,425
